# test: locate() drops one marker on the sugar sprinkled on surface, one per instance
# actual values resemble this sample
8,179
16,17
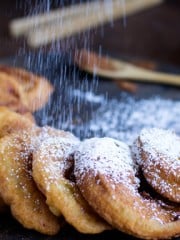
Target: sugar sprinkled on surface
157,151
88,96
19,147
106,156
167,143
112,159
124,119
51,158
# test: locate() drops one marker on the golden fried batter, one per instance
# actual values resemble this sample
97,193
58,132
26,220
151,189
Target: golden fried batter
18,189
11,121
11,93
18,138
158,154
107,177
52,171
29,116
36,89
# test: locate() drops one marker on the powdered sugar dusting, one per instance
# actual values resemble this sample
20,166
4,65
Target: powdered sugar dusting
52,156
108,157
157,151
164,142
112,159
15,167
123,120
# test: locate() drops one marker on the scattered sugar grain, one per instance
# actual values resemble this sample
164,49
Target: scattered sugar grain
123,120
165,143
108,157
52,156
88,96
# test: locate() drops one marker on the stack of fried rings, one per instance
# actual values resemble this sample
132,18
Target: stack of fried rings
20,139
108,178
23,91
48,176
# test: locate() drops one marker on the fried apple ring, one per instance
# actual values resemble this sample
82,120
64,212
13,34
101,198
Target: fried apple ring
11,121
29,116
106,175
52,171
17,188
158,154
36,89
11,94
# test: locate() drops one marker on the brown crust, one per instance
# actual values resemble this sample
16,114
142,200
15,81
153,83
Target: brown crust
123,207
11,122
36,89
11,93
50,167
159,174
17,188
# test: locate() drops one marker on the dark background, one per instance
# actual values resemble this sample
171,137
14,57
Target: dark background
153,34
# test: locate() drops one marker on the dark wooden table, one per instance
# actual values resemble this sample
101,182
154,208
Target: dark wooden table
153,34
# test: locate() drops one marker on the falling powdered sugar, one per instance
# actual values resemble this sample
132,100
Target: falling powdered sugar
88,96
